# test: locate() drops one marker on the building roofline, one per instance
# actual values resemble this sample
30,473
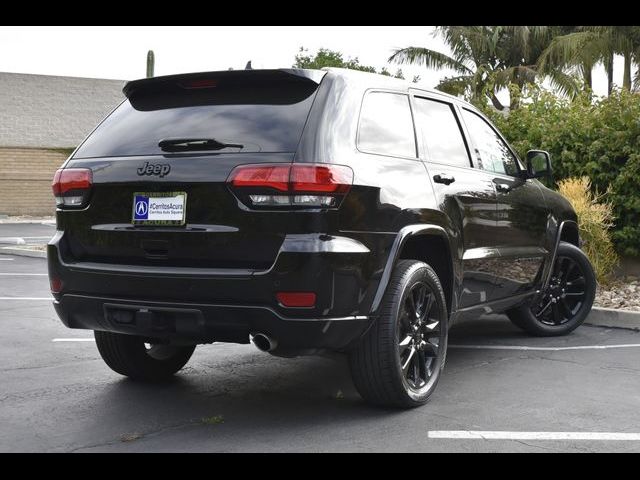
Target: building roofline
61,76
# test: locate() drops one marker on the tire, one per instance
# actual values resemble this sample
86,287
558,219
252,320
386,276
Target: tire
129,356
541,319
377,360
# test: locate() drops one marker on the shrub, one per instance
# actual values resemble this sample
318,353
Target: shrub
594,220
599,138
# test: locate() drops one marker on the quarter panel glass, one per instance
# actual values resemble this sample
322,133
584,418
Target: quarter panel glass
386,126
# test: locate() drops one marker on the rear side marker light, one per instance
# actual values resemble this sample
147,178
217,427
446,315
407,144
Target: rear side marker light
56,284
292,185
296,299
71,186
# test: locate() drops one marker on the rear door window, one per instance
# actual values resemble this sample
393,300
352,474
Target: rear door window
386,125
441,135
252,118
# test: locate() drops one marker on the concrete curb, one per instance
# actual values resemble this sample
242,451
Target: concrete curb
609,317
22,252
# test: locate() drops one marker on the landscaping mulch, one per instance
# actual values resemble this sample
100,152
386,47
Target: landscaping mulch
622,293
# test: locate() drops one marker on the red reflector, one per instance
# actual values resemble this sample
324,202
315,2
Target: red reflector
69,179
56,284
321,178
296,299
270,176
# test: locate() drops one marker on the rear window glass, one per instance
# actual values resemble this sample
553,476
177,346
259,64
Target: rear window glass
257,118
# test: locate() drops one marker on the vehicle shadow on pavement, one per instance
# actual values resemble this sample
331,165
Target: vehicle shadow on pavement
241,391
249,395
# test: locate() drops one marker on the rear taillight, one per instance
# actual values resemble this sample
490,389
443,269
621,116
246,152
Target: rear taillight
292,185
71,187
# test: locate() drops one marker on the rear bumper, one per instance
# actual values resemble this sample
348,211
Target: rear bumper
204,305
201,323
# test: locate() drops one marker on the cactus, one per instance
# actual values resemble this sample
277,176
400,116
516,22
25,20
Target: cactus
151,60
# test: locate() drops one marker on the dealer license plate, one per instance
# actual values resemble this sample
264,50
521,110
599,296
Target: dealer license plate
159,208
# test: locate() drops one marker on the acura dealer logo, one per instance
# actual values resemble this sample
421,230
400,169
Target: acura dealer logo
141,208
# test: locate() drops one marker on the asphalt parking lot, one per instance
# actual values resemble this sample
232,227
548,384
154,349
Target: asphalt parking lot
501,391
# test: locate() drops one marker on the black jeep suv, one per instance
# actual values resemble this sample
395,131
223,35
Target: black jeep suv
307,211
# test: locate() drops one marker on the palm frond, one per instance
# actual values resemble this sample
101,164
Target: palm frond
429,58
564,83
569,50
636,81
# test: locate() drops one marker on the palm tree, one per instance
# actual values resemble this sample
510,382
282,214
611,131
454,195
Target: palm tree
488,58
585,47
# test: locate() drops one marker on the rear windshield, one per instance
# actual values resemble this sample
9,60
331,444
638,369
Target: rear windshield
256,118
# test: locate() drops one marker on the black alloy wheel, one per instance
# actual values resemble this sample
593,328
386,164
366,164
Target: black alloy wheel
565,303
418,336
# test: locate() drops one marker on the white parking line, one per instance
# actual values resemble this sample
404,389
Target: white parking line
543,349
488,435
4,259
73,340
26,298
24,274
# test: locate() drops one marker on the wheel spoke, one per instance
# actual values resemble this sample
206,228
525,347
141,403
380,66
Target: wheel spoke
558,266
576,281
422,362
432,328
572,266
557,316
565,309
574,294
429,302
416,370
407,362
412,308
430,349
421,293
404,344
570,311
543,309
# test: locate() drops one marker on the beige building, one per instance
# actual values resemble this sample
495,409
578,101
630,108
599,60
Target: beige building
42,119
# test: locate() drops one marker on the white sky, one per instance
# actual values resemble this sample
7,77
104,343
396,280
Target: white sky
120,52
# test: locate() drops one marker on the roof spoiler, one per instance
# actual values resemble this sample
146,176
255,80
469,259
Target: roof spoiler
236,78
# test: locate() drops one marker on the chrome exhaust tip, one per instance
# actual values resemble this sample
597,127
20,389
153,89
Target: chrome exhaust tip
263,342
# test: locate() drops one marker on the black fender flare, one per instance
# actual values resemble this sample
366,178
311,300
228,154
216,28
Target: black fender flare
546,275
403,235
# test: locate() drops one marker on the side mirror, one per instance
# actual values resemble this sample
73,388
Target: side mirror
539,164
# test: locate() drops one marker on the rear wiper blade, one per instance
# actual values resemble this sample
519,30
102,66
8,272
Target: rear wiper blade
190,144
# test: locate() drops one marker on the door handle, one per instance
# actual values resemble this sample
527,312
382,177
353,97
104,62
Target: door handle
503,187
444,178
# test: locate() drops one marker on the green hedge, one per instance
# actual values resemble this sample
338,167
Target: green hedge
599,138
